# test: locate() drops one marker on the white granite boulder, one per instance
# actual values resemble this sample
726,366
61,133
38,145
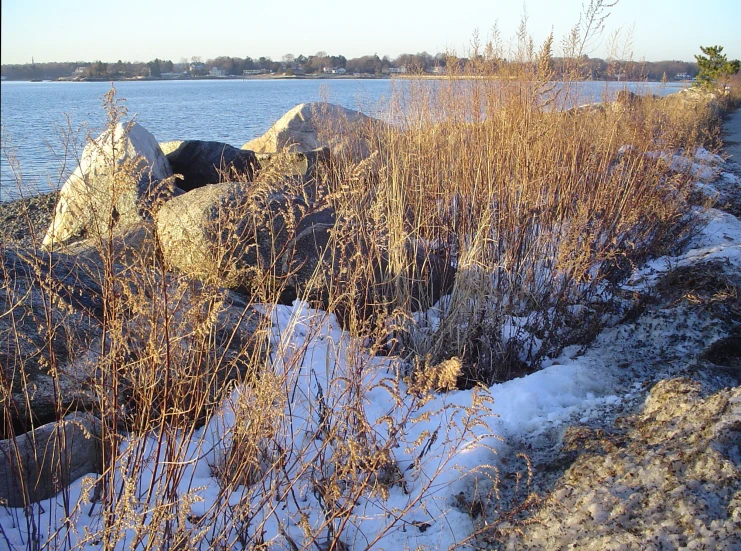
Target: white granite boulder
308,126
120,176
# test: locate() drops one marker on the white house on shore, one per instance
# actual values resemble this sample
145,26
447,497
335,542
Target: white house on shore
217,72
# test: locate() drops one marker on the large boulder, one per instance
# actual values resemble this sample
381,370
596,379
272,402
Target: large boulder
52,347
39,464
308,126
53,309
121,175
203,163
174,350
231,235
305,173
290,164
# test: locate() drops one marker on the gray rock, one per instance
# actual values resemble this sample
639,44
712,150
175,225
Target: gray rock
53,307
175,351
51,338
204,163
288,164
229,235
92,200
628,98
37,465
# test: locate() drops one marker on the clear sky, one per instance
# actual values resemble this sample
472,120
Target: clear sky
141,30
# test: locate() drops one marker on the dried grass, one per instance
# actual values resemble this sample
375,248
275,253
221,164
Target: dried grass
532,204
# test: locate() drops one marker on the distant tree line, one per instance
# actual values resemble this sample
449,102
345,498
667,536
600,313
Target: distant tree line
593,68
85,69
600,69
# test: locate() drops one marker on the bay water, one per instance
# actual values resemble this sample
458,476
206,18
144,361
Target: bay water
45,124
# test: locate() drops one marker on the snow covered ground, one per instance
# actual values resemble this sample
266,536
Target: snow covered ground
448,451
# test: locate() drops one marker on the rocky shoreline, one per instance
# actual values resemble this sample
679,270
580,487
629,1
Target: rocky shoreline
660,468
23,222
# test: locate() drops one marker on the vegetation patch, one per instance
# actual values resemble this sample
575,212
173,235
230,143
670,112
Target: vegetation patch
471,240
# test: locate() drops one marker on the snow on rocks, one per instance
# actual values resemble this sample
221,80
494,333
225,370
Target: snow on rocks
724,191
680,163
719,239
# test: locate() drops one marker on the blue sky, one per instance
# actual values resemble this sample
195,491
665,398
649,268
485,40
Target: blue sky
140,30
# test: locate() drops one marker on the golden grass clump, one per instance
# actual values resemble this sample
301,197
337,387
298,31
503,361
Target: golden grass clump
535,203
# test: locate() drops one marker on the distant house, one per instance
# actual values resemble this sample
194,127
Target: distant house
248,72
683,76
217,72
81,70
334,70
197,68
438,70
394,70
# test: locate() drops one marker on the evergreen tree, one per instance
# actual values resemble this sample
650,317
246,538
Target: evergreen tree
714,67
154,68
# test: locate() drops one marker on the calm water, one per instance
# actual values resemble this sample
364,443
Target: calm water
36,116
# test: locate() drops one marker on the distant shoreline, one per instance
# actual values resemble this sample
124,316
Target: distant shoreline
208,77
295,77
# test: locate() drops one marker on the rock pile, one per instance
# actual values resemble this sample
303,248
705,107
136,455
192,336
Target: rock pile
205,213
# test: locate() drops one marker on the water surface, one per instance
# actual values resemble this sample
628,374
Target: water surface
44,124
